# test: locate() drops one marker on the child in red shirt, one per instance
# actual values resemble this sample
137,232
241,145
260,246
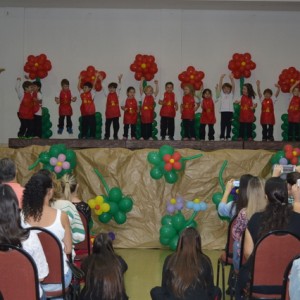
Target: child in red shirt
147,109
26,111
169,106
294,113
187,108
131,111
267,117
208,115
65,109
37,108
247,112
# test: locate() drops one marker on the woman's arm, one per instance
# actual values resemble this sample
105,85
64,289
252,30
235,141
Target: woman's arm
68,236
248,244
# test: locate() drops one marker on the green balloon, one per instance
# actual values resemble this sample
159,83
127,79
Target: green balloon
167,231
105,217
120,217
284,127
197,117
45,110
166,220
236,107
178,221
164,241
55,150
284,117
154,124
154,132
216,198
171,177
235,131
277,156
235,123
156,173
126,204
113,207
49,167
193,224
153,158
165,149
115,194
44,157
173,243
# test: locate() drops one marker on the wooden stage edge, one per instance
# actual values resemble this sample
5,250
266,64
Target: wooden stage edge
133,145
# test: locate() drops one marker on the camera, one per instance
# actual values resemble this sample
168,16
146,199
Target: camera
288,168
236,183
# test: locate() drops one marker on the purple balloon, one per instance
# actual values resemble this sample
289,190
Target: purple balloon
112,235
66,165
170,208
53,161
283,161
179,206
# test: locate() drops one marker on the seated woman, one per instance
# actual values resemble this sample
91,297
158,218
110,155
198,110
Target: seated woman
11,232
278,215
104,272
37,212
187,273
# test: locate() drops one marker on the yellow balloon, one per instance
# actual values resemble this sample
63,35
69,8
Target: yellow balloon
105,207
173,201
196,200
91,203
99,199
98,212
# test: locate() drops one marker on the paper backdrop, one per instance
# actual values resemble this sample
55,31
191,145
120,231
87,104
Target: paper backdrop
129,170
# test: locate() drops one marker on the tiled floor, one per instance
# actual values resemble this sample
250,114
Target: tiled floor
145,267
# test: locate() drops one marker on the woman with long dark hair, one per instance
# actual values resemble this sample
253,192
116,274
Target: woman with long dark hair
187,273
11,231
104,271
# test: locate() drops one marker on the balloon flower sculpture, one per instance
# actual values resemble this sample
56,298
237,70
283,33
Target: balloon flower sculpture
144,66
287,78
58,159
37,66
114,205
89,75
167,163
217,197
174,222
289,155
191,76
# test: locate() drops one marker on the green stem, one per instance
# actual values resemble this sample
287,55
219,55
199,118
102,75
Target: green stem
191,219
242,81
102,180
34,165
221,181
191,157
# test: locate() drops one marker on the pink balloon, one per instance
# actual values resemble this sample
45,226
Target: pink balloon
57,169
61,157
53,161
66,165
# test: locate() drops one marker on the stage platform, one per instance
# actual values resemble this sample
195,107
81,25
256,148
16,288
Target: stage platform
133,145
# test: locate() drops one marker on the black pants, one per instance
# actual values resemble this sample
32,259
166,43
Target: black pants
226,118
294,131
88,126
167,125
211,132
189,128
61,122
116,127
37,126
245,130
146,131
267,132
26,128
126,129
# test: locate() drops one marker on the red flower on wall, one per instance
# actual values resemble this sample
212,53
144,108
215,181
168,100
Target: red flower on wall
37,66
191,76
287,78
144,66
241,65
89,75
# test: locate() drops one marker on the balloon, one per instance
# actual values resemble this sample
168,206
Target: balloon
168,167
289,155
153,158
177,165
171,177
190,205
170,208
66,165
120,217
294,160
113,207
105,217
115,194
217,197
61,157
164,241
178,221
165,149
283,161
53,161
167,157
173,243
288,148
156,173
167,231
57,169
166,220
126,204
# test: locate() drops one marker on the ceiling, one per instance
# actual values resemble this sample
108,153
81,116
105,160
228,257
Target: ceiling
274,5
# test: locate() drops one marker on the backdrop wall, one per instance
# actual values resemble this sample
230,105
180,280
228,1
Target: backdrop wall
110,39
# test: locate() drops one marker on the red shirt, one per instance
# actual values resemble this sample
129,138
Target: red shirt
112,106
188,107
208,111
65,108
87,107
36,104
246,112
26,107
131,111
147,110
294,110
168,106
267,116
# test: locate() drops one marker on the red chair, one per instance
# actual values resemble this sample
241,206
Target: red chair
18,274
54,255
226,258
270,256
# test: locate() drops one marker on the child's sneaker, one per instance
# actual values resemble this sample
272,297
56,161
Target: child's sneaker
60,130
124,138
69,130
133,138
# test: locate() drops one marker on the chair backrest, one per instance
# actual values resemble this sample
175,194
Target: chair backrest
86,244
271,255
54,255
18,274
229,243
285,284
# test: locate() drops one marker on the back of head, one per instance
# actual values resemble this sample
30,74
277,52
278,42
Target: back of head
292,177
34,195
68,185
57,188
103,244
7,170
242,200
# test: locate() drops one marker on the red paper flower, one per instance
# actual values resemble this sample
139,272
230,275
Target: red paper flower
191,76
144,66
172,161
37,66
241,65
89,75
287,78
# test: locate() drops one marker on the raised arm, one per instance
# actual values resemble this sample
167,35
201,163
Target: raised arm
95,80
258,89
156,89
219,86
141,86
79,83
277,90
294,85
231,77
